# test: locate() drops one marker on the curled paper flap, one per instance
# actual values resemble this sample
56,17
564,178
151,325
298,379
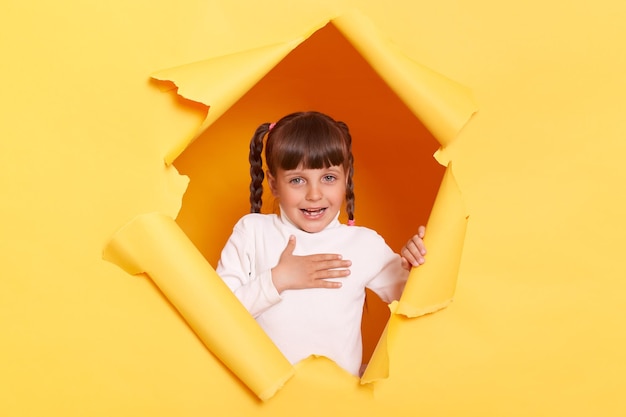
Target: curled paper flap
219,82
378,367
431,286
442,105
153,243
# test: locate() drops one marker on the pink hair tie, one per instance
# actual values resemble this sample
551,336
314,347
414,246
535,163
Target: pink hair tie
351,222
272,126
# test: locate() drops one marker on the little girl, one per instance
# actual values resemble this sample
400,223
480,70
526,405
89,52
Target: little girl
302,274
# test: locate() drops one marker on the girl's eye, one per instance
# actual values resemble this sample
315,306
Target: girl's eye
329,178
296,181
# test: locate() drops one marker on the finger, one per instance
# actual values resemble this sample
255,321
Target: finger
405,264
332,264
412,254
410,259
421,247
330,273
328,284
321,257
291,245
416,243
421,232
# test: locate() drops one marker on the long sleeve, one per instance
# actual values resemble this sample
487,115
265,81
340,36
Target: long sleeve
389,282
237,268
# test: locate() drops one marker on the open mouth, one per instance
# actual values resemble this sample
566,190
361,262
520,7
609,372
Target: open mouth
313,213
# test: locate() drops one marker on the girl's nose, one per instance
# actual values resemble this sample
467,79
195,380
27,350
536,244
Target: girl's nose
313,193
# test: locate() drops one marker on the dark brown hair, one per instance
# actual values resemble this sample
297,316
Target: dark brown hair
310,139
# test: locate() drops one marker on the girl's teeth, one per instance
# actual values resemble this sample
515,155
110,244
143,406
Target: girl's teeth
313,212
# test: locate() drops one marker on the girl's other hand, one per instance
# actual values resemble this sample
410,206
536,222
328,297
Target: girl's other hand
413,252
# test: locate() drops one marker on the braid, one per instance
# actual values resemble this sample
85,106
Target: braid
256,168
349,173
350,191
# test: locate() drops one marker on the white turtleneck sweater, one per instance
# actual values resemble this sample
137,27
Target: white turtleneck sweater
318,321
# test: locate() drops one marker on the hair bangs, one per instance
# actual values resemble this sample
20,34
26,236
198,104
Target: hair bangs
315,146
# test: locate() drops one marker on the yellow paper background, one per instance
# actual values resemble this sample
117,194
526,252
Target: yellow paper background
536,326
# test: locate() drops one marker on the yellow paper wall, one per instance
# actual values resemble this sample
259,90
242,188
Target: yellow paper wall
536,327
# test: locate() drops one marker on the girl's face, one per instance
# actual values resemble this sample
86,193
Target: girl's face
310,198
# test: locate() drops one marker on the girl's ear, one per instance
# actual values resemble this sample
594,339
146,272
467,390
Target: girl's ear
271,181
